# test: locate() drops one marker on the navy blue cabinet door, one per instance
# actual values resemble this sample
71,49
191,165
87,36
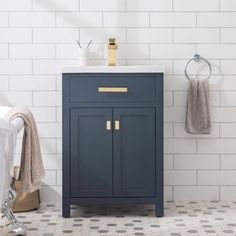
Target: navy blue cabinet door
134,152
91,152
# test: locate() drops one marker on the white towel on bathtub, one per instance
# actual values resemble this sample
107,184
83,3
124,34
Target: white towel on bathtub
8,135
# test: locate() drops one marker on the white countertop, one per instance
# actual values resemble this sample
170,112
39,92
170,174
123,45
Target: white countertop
115,69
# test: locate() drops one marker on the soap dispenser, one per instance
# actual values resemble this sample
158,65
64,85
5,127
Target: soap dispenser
112,47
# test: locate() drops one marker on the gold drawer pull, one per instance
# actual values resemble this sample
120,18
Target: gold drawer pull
117,125
113,90
108,125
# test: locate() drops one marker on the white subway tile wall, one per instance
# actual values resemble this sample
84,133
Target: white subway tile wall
38,38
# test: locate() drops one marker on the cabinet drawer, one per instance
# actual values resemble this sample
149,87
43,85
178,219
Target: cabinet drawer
112,88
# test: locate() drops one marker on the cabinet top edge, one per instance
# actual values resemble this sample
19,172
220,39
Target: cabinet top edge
115,69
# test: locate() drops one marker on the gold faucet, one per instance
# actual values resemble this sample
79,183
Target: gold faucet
112,47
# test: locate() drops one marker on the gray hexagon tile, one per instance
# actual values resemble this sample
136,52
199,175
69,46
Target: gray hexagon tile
181,219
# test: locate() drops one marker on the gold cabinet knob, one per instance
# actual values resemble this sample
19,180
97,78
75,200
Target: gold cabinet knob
108,125
117,125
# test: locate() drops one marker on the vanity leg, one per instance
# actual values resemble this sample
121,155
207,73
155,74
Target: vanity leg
159,209
66,210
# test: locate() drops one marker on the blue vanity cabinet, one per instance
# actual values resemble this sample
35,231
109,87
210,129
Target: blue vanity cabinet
134,152
91,152
112,139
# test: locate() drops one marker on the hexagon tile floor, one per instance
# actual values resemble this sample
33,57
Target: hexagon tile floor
181,218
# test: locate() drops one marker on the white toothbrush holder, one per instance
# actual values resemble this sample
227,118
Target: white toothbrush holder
83,56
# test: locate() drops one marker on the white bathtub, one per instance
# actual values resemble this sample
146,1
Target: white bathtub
4,110
18,122
7,164
6,173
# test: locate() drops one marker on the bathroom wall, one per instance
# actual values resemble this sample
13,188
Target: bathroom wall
37,39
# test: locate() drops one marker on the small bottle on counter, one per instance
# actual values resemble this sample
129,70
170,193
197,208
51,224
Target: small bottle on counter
112,47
